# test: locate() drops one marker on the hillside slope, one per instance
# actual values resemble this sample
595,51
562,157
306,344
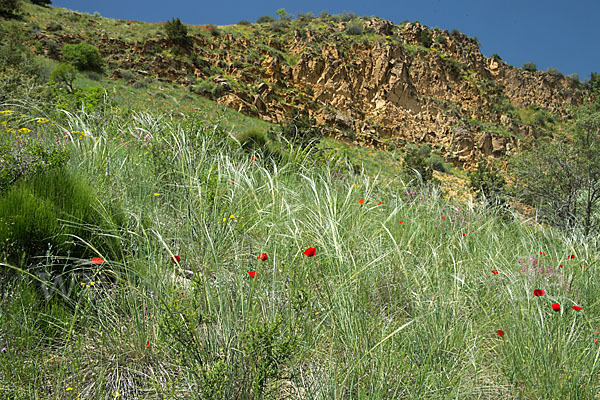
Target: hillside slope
388,84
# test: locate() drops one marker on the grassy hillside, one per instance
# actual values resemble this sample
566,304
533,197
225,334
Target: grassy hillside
150,250
400,300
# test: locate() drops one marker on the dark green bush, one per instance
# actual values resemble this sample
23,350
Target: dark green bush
244,22
487,181
253,140
31,211
41,2
553,71
426,38
177,32
496,57
279,25
301,130
416,161
8,8
265,19
268,348
354,28
529,66
83,56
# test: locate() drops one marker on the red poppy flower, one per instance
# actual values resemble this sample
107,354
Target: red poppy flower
254,159
175,259
577,308
361,201
542,253
495,271
262,257
595,332
539,292
443,218
401,222
380,203
572,256
500,333
232,181
595,340
311,251
556,307
97,260
464,234
147,344
560,265
252,274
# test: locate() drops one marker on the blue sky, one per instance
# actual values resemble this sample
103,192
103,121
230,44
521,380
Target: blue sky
550,33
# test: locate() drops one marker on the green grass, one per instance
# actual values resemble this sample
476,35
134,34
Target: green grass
384,310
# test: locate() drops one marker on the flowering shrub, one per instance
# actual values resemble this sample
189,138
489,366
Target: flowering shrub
24,152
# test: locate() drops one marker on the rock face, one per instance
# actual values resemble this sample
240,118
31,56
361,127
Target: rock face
385,90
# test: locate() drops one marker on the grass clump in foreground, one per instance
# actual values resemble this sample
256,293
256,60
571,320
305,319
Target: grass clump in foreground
218,294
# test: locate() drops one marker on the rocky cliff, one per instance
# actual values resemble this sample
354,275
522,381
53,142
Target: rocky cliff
388,85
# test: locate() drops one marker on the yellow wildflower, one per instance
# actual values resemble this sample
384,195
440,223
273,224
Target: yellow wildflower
3,122
156,194
6,112
91,283
232,216
42,120
69,389
24,130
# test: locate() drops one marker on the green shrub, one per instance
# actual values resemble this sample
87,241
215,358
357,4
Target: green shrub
208,88
213,30
64,74
529,66
307,16
426,38
30,213
268,349
487,181
301,130
416,161
253,140
265,19
244,22
177,32
561,179
354,28
41,2
496,57
84,56
282,14
9,7
279,25
93,99
553,71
